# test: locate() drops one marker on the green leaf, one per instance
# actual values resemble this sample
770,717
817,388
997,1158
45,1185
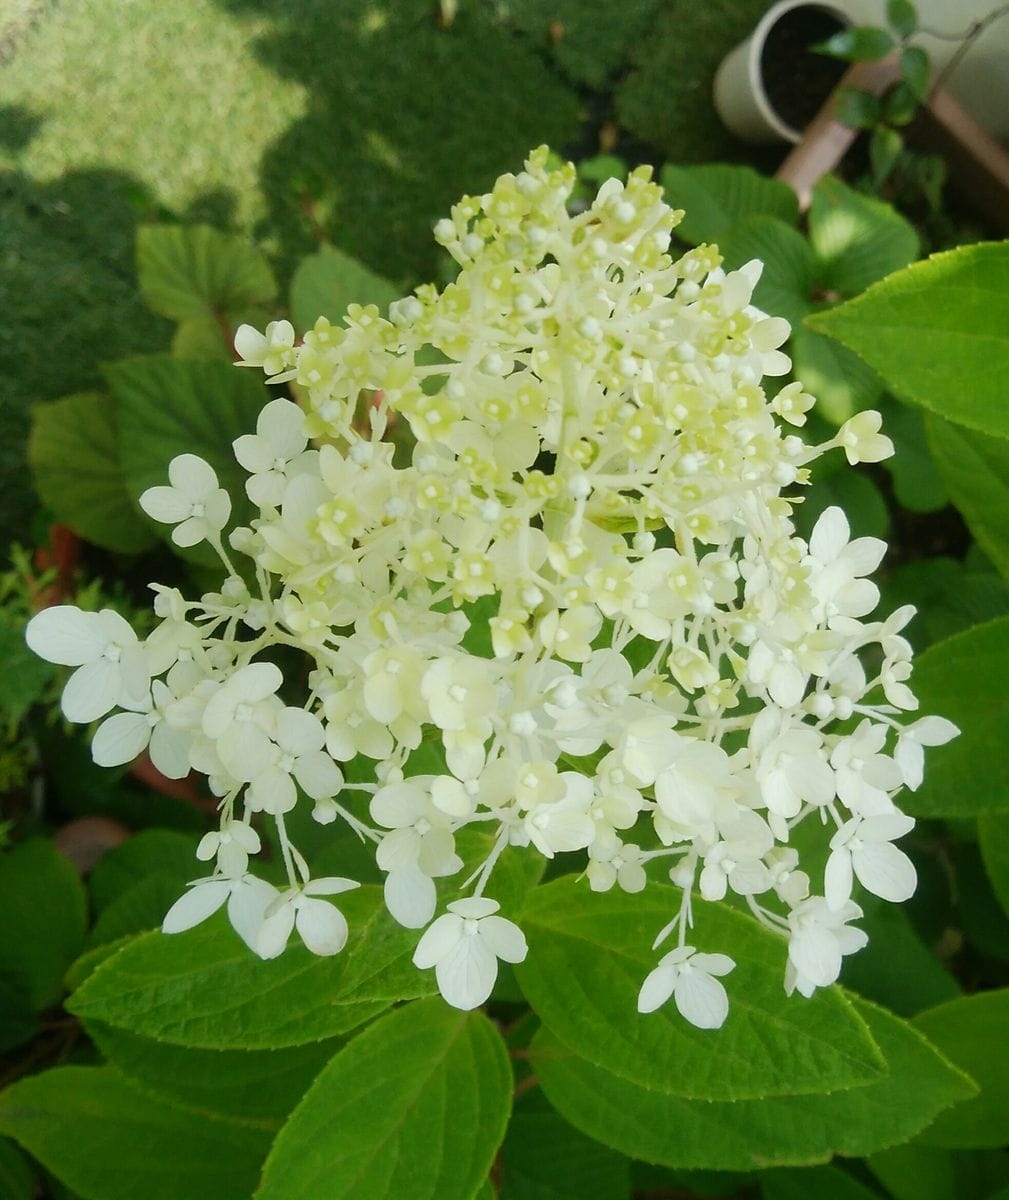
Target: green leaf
74,453
857,109
545,1158
915,69
262,1085
140,908
897,970
919,1172
975,471
786,283
857,43
169,407
900,105
885,147
200,338
902,17
110,1141
744,1134
206,989
840,381
950,597
917,483
717,196
589,954
17,1179
825,1183
993,839
415,1106
130,863
42,920
855,492
25,675
188,271
328,281
857,240
963,679
600,167
17,1017
938,333
971,1032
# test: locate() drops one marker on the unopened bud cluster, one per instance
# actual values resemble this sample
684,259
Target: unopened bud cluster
600,482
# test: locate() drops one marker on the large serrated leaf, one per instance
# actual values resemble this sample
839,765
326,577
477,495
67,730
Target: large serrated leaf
963,679
716,196
260,1085
42,920
745,1134
590,952
975,469
856,239
189,271
328,281
415,1106
169,407
938,334
74,454
206,989
108,1140
971,1032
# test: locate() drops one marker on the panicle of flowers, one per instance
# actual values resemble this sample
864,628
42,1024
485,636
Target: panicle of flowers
600,478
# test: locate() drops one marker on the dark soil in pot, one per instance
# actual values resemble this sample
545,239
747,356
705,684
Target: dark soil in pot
797,80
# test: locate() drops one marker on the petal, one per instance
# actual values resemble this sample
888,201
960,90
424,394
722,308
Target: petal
201,901
255,682
713,964
837,879
193,476
398,805
250,345
504,938
272,934
253,452
466,975
410,897
91,691
249,900
120,739
282,425
64,634
273,791
245,751
830,534
165,504
323,928
191,532
329,885
885,871
815,953
474,908
217,509
318,775
299,732
701,999
886,827
657,988
439,940
170,751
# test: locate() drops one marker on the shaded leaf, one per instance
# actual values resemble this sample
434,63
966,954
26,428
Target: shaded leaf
971,1032
74,454
110,1141
189,271
328,281
717,196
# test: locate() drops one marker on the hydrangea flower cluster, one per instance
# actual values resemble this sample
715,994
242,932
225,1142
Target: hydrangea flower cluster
600,480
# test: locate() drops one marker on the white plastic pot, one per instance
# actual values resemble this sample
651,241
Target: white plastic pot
980,81
741,99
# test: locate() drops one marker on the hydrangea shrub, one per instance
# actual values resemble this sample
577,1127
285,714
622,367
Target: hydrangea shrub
677,680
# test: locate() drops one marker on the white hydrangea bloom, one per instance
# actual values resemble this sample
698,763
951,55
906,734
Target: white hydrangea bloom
195,503
464,945
692,980
601,495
